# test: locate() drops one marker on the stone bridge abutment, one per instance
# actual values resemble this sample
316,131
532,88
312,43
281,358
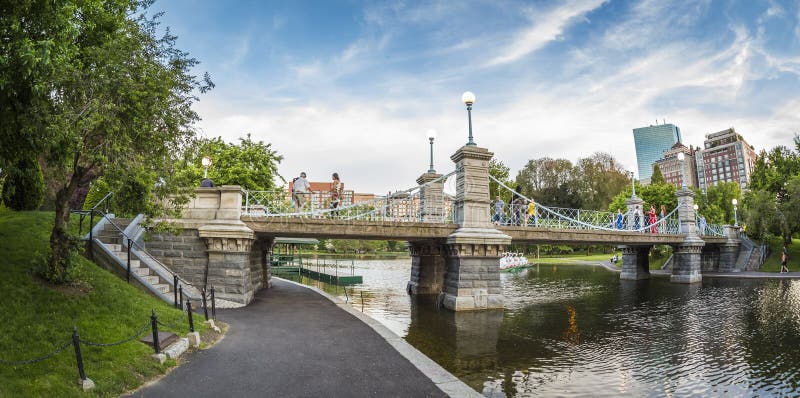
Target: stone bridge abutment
214,247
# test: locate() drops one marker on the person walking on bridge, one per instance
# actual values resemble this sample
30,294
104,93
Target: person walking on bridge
531,213
300,191
653,219
497,218
619,218
336,193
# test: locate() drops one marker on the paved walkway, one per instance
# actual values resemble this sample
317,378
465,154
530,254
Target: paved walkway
292,342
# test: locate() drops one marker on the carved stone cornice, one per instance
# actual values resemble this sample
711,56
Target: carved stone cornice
475,250
228,245
426,249
227,238
471,152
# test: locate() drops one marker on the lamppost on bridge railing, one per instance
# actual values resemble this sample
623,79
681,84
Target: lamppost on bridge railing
206,162
633,185
431,134
735,216
469,98
681,158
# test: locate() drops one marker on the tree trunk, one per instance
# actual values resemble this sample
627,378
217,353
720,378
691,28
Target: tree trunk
60,244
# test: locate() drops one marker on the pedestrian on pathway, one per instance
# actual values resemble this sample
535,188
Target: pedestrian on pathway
619,218
663,211
785,258
300,191
497,218
653,226
336,193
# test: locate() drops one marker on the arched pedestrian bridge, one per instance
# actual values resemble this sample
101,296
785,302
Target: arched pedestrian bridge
455,239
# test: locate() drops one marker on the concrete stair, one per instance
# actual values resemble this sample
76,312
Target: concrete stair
111,237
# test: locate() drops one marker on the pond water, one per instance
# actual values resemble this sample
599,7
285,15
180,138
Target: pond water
572,330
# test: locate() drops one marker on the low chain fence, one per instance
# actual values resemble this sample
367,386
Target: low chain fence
152,325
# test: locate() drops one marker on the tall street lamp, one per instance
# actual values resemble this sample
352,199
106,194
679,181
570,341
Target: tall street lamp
681,158
431,134
206,162
469,98
633,186
735,216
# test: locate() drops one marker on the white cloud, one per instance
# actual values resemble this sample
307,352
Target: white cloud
545,27
372,131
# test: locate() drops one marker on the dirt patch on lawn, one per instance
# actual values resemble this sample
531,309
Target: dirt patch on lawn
77,288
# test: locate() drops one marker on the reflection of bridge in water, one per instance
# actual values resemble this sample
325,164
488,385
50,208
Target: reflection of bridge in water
454,244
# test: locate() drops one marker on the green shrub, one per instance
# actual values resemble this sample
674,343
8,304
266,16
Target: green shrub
97,191
23,188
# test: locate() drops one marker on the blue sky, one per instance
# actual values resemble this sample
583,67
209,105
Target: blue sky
353,86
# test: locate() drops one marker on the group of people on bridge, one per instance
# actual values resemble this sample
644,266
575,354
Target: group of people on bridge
650,218
521,212
301,192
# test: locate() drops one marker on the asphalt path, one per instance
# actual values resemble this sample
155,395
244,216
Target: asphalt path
292,342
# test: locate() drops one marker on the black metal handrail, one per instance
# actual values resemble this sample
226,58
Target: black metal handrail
99,202
133,242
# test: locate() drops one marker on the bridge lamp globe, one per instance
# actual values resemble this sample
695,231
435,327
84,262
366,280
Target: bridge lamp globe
431,134
206,162
468,98
681,158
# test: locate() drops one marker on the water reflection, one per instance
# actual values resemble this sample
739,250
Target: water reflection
580,331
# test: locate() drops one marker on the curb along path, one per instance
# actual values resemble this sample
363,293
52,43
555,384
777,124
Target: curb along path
293,342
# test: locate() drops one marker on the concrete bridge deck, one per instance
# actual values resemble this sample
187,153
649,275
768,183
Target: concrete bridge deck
421,231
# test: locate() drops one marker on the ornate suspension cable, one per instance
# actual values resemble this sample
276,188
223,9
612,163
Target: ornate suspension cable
661,221
376,201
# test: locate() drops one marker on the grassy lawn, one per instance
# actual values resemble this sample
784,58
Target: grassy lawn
773,262
572,258
577,258
39,318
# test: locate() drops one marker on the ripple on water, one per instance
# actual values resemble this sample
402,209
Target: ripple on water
577,331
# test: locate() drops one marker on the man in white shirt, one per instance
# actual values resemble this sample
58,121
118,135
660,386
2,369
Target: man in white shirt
300,190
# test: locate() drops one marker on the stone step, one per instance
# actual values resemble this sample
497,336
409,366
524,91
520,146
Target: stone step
162,287
114,247
152,279
141,271
108,238
124,258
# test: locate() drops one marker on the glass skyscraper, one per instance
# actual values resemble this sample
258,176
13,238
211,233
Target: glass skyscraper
651,144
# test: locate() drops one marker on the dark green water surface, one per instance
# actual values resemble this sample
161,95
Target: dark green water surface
572,330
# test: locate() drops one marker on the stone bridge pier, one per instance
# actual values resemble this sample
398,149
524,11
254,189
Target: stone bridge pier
687,256
462,269
635,262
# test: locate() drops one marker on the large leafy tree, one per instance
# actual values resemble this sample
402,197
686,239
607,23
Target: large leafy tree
652,194
657,177
249,164
717,202
550,182
773,203
599,178
85,84
501,172
590,184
